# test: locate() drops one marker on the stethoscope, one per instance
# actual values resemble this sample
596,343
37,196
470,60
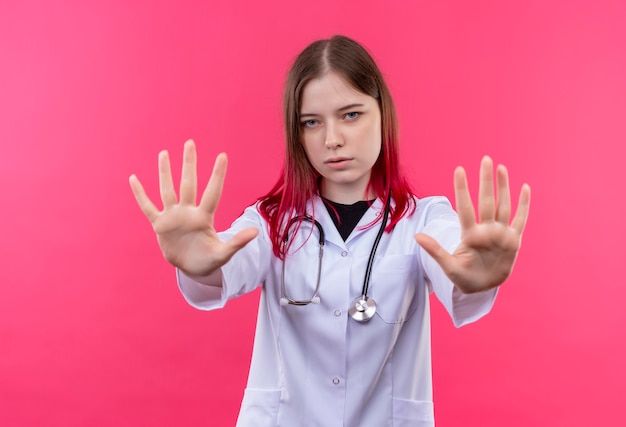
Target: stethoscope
363,307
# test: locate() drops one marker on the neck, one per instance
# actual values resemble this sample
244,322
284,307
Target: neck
345,194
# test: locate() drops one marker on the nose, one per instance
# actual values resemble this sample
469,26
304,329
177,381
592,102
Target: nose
333,136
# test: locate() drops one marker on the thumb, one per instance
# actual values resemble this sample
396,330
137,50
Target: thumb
434,249
240,240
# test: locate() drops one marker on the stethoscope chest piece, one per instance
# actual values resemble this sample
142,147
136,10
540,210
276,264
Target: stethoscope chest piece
362,309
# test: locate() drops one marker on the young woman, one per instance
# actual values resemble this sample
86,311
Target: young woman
344,253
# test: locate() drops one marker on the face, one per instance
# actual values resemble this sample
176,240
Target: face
341,134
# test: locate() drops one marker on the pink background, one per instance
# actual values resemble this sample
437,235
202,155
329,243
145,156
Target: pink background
93,330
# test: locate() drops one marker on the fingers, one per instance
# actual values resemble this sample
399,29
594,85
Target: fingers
213,191
144,202
188,180
486,197
491,206
464,206
523,207
503,213
166,185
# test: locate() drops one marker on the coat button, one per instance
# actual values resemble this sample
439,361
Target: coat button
335,381
337,313
344,253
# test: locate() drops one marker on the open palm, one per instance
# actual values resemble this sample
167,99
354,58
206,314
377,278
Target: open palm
489,246
185,230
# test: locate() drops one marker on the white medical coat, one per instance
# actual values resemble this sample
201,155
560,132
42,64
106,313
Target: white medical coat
313,365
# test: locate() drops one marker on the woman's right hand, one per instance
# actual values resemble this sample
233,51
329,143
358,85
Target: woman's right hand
185,231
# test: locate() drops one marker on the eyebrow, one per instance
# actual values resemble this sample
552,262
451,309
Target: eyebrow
344,108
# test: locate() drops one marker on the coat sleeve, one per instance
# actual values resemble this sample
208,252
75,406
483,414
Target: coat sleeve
245,271
442,223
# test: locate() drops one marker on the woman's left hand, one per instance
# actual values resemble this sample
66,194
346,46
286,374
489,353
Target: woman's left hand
489,246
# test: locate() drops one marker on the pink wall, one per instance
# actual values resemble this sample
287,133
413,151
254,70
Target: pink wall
92,328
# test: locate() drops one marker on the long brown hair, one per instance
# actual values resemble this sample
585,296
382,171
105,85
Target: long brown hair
298,181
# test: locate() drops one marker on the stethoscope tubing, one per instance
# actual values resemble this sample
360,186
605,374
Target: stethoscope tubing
315,299
363,307
370,261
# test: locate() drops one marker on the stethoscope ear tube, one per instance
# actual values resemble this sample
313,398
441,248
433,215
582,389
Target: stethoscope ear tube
286,299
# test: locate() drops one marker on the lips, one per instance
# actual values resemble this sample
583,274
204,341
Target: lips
338,163
336,160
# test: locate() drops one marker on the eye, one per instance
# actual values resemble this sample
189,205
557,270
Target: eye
353,115
309,123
